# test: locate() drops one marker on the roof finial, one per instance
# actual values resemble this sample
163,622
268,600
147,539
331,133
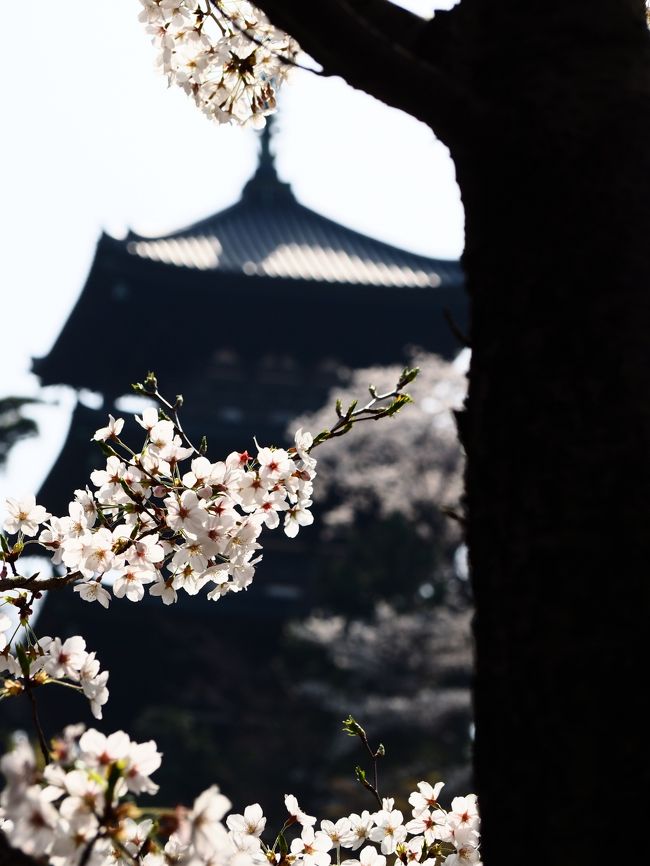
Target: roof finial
266,158
265,183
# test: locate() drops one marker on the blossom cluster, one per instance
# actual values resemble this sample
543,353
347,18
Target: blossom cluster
51,660
150,523
81,808
225,54
80,800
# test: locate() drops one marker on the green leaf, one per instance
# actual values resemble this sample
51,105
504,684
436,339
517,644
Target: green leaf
408,375
352,727
399,401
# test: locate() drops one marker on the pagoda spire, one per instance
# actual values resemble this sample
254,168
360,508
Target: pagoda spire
265,184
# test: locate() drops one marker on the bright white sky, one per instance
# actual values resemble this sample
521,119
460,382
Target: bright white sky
93,139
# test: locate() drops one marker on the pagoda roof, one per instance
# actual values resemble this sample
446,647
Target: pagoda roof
265,251
268,233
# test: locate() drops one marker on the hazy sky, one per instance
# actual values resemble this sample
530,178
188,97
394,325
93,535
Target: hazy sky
93,139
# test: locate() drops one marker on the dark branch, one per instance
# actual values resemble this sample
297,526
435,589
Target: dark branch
373,45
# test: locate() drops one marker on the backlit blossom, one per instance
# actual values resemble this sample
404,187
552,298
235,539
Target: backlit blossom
293,808
426,797
251,822
311,847
24,516
389,830
231,64
111,431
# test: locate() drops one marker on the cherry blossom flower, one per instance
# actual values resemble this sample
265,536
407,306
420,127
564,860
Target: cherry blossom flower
141,761
131,581
312,848
369,856
465,839
464,811
424,823
426,797
335,832
207,832
149,417
24,516
251,822
35,821
99,750
293,808
184,512
65,659
92,590
112,431
297,516
164,590
389,830
360,826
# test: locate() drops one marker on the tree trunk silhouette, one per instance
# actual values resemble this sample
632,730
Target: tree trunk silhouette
552,151
557,196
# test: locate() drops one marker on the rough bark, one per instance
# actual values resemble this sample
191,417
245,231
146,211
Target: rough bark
553,161
556,189
376,47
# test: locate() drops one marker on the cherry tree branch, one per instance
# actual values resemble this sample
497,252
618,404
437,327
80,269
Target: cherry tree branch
376,47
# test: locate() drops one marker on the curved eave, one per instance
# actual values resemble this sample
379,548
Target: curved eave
281,238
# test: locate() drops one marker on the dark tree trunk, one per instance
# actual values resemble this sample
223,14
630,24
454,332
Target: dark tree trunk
556,186
552,150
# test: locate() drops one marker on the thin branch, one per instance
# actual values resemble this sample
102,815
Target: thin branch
262,43
37,722
20,582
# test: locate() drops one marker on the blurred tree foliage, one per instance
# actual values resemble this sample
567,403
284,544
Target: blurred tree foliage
253,698
13,424
391,602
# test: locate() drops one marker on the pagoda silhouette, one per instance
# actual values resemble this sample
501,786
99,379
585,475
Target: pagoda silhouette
251,314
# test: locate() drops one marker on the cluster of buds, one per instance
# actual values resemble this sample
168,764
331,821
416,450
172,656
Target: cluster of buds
223,53
80,809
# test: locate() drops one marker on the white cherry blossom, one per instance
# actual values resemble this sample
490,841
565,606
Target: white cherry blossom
24,516
251,822
359,832
111,431
426,797
389,830
293,808
312,847
368,856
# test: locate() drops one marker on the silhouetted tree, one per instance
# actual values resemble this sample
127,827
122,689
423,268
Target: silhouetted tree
546,111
